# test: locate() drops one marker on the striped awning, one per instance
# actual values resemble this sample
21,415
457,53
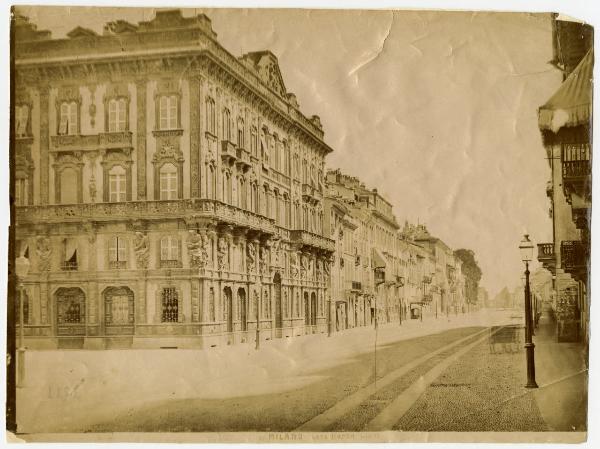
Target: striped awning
571,104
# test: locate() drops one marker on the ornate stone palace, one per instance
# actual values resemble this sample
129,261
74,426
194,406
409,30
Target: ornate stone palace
168,194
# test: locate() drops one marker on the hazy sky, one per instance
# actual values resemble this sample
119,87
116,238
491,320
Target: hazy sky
436,110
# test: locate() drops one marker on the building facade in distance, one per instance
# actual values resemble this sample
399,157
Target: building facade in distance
168,194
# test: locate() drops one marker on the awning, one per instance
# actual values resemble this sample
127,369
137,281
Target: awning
571,104
378,259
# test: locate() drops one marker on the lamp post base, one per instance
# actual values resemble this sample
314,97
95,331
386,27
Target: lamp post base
531,383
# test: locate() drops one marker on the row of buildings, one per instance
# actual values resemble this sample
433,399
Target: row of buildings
566,127
170,194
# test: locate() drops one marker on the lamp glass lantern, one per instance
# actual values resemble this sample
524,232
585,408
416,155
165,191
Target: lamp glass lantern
526,249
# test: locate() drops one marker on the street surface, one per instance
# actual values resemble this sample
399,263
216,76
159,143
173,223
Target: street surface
438,375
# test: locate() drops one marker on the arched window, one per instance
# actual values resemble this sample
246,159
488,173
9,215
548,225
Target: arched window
241,136
265,208
168,182
297,215
226,190
117,184
288,212
286,159
211,182
211,119
254,141
254,198
305,171
226,124
277,210
22,120
68,123
277,155
117,115
168,112
242,193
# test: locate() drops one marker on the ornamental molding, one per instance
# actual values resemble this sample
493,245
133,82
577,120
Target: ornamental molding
94,142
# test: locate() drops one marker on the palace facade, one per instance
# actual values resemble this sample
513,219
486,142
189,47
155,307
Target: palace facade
167,193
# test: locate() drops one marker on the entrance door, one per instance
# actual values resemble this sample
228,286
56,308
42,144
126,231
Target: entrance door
278,310
242,304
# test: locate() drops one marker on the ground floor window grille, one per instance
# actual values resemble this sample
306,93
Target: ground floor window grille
71,308
170,305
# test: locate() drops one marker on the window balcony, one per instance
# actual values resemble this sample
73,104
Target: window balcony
228,151
574,257
546,255
94,142
312,240
243,159
576,170
310,193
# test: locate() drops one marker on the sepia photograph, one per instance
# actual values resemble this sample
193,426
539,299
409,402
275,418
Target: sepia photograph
254,225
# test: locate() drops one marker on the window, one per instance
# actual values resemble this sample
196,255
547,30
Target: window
169,250
21,120
119,307
68,118
170,305
168,182
21,191
211,122
70,255
226,124
71,306
117,253
117,184
117,115
254,198
211,182
242,194
241,133
226,193
168,112
254,142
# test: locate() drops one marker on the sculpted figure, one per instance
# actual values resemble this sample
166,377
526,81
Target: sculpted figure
197,249
294,264
304,265
263,261
141,248
251,257
222,261
44,251
319,269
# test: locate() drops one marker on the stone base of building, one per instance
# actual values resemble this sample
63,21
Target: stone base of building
209,341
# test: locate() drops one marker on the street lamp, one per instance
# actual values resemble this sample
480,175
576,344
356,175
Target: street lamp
526,248
21,268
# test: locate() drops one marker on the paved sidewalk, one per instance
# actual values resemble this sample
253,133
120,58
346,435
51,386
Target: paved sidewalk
484,390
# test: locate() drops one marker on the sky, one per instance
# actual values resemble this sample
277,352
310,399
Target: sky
437,110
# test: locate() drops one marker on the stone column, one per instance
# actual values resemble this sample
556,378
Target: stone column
140,87
44,143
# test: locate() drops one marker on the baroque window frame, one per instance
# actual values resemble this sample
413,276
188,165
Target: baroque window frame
110,159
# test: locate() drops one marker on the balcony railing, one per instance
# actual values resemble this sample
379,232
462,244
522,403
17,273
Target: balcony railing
228,150
145,210
117,264
573,255
170,263
314,240
68,265
121,139
546,252
576,169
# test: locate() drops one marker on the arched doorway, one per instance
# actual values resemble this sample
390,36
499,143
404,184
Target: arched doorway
228,308
306,310
242,307
278,307
119,311
313,309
